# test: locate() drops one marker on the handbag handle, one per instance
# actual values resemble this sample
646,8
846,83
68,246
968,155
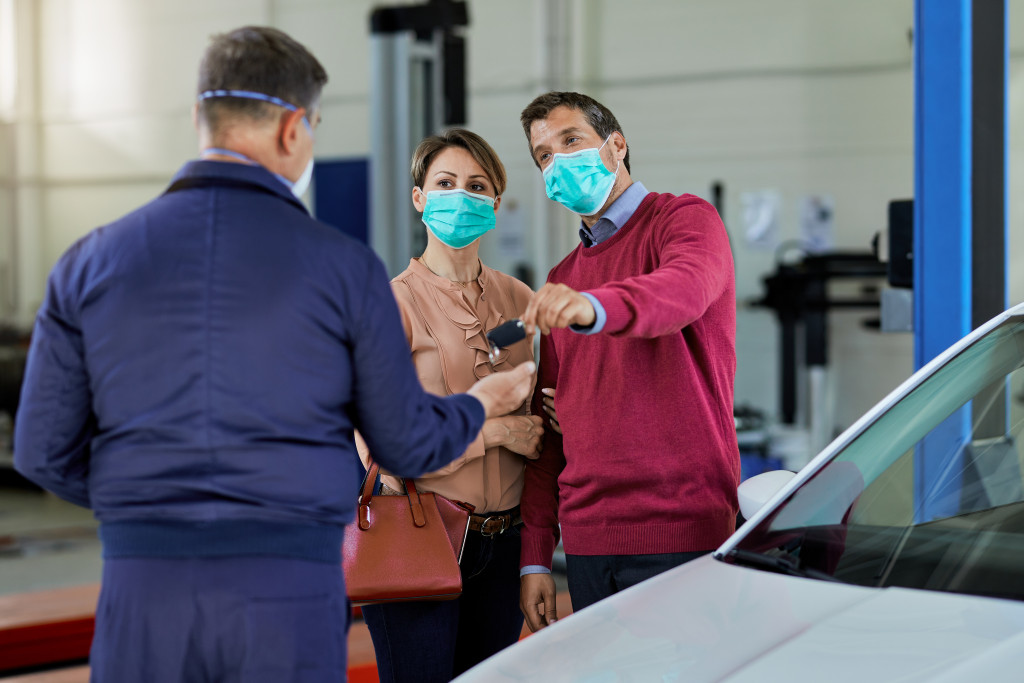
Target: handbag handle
419,518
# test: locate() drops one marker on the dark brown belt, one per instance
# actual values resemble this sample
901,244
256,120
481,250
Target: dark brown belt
495,524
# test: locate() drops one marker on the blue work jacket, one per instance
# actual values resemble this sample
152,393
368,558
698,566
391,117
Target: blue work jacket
202,362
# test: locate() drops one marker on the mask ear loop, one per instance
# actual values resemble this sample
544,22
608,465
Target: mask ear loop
617,163
424,196
305,123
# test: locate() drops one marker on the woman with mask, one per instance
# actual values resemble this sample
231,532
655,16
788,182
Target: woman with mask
449,300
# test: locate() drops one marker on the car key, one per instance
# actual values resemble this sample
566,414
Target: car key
504,335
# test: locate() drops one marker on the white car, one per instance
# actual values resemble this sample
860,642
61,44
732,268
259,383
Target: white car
897,554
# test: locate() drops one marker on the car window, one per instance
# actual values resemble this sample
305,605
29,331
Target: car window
929,495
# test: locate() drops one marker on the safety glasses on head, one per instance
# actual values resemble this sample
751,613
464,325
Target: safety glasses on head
298,187
253,95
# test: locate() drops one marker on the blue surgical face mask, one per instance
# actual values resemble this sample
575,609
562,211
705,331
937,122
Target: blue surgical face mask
580,181
458,218
300,186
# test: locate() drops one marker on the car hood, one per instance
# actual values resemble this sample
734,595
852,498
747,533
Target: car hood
712,621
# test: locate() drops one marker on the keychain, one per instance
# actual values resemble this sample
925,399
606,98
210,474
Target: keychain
504,335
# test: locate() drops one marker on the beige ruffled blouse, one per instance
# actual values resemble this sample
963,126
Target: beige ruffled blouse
449,350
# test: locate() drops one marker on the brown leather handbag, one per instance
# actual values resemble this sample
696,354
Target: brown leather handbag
404,547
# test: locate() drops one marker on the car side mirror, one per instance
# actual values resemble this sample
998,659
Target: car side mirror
756,491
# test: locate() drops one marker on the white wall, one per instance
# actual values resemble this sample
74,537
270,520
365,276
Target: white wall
8,77
7,222
799,96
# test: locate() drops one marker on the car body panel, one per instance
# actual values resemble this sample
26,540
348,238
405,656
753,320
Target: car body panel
712,621
715,619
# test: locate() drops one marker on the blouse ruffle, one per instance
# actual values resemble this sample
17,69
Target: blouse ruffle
453,304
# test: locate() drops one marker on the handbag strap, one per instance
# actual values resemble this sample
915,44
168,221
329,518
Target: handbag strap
419,517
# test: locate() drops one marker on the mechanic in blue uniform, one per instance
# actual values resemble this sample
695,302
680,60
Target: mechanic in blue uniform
196,373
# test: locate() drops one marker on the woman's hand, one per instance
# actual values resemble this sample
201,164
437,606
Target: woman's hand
502,392
522,434
549,408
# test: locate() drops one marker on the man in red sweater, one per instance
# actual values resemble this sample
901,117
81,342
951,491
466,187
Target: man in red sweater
639,328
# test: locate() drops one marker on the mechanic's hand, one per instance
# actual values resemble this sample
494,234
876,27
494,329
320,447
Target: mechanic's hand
522,434
537,600
557,306
503,392
549,408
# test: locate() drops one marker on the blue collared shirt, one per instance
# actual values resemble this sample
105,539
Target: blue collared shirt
617,215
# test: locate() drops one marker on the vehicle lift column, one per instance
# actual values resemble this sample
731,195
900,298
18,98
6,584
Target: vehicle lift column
418,86
960,199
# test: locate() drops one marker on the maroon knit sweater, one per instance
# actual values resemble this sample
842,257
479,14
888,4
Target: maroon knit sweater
648,462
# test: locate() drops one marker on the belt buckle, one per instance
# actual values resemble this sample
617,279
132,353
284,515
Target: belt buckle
504,519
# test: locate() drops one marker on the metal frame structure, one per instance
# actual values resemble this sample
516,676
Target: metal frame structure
418,77
960,71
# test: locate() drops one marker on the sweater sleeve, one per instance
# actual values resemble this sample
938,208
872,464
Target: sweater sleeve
694,268
55,422
539,504
409,431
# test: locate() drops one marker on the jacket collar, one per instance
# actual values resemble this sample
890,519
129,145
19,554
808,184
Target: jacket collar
205,173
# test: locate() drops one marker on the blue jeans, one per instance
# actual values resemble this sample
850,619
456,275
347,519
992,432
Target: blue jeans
427,642
220,620
595,577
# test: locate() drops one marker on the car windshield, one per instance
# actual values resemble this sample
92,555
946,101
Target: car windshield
928,496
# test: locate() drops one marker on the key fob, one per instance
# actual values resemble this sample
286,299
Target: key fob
504,335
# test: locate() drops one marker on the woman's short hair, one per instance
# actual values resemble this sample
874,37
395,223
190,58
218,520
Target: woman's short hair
477,147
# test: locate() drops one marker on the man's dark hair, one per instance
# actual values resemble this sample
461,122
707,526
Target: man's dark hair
262,60
598,116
